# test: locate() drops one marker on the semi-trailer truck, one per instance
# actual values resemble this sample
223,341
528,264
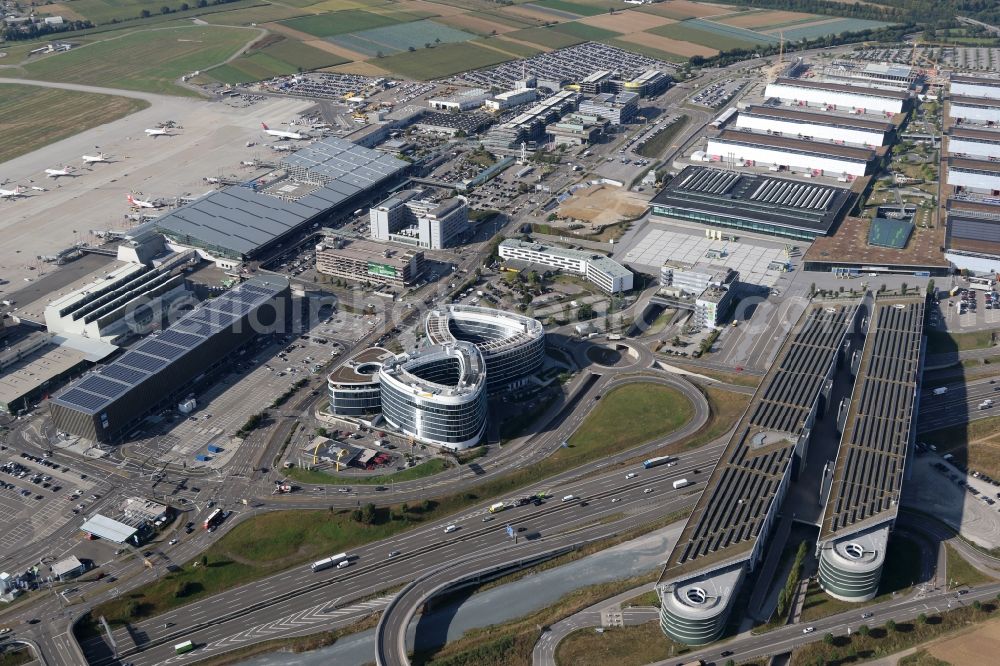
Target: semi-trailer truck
655,462
330,562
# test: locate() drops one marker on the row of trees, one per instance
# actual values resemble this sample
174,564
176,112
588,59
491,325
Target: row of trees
12,33
164,10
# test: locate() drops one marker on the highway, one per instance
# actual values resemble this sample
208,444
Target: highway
310,598
960,404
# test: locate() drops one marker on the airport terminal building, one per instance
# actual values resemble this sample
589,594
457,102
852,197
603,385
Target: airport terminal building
314,185
104,405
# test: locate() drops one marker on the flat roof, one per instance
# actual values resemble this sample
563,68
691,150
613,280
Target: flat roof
242,220
975,80
346,162
797,145
35,370
107,528
962,100
605,263
991,209
869,470
365,250
71,563
974,134
974,165
347,373
97,390
849,246
842,87
792,204
818,118
738,496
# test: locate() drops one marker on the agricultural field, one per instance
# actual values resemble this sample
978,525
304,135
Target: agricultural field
830,27
147,60
570,7
259,14
441,61
588,33
680,10
546,37
711,35
401,37
32,117
343,22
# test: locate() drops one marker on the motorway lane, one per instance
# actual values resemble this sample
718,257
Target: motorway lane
959,405
391,647
421,549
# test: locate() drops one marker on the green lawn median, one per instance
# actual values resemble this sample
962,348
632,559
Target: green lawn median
321,477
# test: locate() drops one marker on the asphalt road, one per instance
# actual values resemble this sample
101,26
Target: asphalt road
302,596
960,404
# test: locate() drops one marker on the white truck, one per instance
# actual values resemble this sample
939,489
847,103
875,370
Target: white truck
681,483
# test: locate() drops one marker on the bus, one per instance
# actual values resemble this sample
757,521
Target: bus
181,648
981,283
213,519
329,562
655,462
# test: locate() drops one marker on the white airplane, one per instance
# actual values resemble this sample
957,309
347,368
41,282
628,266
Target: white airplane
56,173
282,134
139,203
159,131
18,191
94,159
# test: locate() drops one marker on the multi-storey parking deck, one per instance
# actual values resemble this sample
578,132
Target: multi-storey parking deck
725,535
864,494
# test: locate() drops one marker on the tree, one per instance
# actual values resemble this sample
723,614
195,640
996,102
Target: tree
144,13
812,289
922,618
368,514
931,291
379,55
903,288
584,312
202,3
356,515
204,560
863,630
164,10
405,507
828,639
437,40
411,48
322,432
977,604
890,626
427,45
185,6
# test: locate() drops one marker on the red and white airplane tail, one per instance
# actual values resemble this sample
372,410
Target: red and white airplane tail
264,125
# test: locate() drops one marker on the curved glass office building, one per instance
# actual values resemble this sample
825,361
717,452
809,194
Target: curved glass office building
512,346
437,394
354,387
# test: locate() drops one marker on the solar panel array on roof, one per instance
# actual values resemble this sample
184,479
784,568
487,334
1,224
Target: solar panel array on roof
712,181
796,195
734,505
95,391
869,470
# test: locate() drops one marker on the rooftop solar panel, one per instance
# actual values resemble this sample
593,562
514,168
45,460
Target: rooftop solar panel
123,374
178,338
101,386
160,349
79,398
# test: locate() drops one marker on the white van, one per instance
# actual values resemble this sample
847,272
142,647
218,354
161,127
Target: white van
450,528
569,498
344,564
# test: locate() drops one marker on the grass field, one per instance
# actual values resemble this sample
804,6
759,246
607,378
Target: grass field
960,572
286,56
584,31
32,117
578,8
548,37
148,60
14,654
262,14
441,61
621,646
831,28
687,33
975,444
515,48
731,31
424,469
339,23
624,418
939,342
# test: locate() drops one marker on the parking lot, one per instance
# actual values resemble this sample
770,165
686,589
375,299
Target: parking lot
717,94
977,58
257,379
573,64
971,308
659,243
37,496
